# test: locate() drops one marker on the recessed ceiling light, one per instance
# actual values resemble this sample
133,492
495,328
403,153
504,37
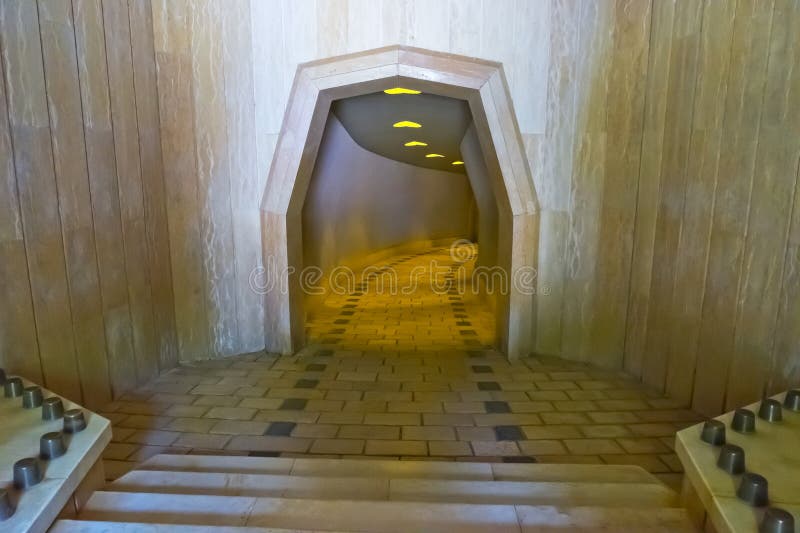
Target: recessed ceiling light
434,155
415,143
457,163
401,90
406,124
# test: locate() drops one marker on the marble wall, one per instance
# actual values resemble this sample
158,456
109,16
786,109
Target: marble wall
225,69
662,135
714,307
667,245
84,252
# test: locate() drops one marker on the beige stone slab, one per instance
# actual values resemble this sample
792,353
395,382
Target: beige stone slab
226,484
93,77
383,516
38,194
243,148
43,502
155,209
769,452
784,366
713,64
749,53
175,98
219,463
181,509
581,519
571,473
211,150
392,469
655,112
129,180
680,92
740,517
627,76
562,494
104,526
770,208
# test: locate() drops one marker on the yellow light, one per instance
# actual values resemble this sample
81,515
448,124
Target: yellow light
457,162
434,155
406,124
415,143
401,90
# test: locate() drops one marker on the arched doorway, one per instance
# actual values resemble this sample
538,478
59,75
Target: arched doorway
482,84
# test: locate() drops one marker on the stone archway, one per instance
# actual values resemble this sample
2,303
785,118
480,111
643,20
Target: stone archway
316,85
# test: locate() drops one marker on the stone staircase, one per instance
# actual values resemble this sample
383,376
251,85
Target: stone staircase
179,493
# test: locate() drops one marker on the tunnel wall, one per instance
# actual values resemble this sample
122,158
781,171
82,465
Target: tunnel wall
481,185
359,203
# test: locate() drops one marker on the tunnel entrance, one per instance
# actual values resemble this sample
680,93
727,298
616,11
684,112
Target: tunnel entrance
389,223
491,148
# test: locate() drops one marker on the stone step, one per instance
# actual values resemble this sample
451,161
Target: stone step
394,469
376,516
89,526
405,489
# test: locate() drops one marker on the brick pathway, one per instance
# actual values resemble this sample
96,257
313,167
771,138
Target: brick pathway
421,302
428,390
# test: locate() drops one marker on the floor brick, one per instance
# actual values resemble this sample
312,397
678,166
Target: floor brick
202,440
280,429
508,433
231,413
592,446
396,447
315,430
293,404
269,444
239,427
542,447
428,433
449,448
338,446
191,425
495,448
156,438
605,431
643,445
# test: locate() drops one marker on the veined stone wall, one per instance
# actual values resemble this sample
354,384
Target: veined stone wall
663,139
85,281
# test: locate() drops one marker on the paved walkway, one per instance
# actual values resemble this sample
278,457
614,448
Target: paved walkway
402,378
421,302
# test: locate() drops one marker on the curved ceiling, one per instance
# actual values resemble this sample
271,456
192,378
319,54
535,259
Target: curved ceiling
369,120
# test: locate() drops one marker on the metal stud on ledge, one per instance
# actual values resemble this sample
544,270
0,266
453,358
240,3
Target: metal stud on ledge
52,445
753,489
52,408
744,421
13,387
74,421
713,432
27,473
6,507
770,410
776,521
792,400
731,459
31,397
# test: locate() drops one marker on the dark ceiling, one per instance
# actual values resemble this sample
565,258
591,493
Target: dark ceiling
369,119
